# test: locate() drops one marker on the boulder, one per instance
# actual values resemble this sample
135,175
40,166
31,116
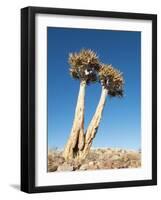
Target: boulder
133,156
65,167
115,157
91,163
84,167
117,165
105,164
52,168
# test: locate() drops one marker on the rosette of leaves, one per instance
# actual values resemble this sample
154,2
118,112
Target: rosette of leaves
112,79
84,65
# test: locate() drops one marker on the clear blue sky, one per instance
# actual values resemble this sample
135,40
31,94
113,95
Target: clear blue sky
120,125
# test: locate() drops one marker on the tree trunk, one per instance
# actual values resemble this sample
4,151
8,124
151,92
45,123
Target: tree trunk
94,124
75,142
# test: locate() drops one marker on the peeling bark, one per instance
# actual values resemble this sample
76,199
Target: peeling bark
94,124
75,142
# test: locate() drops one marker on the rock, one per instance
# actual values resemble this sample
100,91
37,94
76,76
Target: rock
133,156
139,163
93,155
61,160
100,158
135,163
117,149
102,151
91,163
83,167
65,167
105,164
76,165
108,164
117,165
50,158
126,164
123,151
115,157
125,158
109,152
98,163
105,156
52,168
93,167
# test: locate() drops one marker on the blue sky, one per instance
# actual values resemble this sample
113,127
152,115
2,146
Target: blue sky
120,126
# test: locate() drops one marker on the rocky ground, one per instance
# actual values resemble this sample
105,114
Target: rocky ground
109,158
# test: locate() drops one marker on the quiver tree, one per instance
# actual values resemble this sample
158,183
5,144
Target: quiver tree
112,84
83,66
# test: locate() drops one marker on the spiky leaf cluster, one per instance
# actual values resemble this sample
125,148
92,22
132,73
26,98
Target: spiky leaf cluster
84,65
112,79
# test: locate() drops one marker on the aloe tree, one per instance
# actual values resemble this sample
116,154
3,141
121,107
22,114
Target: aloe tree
112,84
83,67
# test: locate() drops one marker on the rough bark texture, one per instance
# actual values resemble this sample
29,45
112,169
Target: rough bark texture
75,142
94,124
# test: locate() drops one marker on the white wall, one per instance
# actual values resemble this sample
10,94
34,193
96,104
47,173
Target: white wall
10,98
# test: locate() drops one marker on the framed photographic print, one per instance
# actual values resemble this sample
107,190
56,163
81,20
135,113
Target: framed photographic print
88,99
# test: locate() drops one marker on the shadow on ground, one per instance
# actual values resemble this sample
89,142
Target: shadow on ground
15,186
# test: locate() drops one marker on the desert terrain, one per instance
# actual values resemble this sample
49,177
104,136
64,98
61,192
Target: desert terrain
100,158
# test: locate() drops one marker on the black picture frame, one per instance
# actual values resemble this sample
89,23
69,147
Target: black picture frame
28,98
